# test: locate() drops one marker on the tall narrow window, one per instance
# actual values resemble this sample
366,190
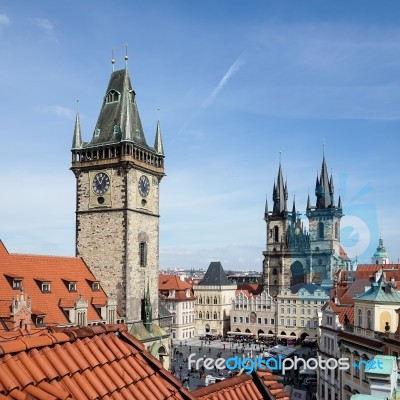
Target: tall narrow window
321,230
359,318
143,253
336,230
369,319
276,234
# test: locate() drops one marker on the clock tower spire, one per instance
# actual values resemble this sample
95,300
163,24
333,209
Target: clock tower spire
117,201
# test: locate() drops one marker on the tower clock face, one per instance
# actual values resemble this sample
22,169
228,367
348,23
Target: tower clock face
101,183
144,186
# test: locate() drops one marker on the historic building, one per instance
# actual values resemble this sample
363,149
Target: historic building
298,311
118,177
294,255
253,314
117,206
42,291
178,298
214,295
360,322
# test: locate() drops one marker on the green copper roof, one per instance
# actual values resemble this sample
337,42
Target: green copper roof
141,333
380,291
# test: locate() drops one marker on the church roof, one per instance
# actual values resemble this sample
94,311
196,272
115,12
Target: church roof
215,276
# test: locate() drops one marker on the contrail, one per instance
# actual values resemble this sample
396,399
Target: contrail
228,75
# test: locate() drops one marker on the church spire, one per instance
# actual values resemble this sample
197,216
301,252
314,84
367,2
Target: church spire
280,195
158,145
324,188
266,209
77,140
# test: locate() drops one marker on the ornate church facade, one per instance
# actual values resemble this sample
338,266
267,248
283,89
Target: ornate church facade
294,255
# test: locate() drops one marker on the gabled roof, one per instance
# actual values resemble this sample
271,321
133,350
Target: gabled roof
310,287
56,270
100,362
173,282
215,276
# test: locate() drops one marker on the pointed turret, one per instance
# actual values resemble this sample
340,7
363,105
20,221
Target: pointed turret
340,202
308,202
147,317
77,140
266,209
294,210
323,188
158,145
280,194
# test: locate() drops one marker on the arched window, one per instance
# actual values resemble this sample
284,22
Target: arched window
200,315
369,319
207,315
200,300
359,316
276,234
215,315
112,96
215,300
321,230
274,271
208,300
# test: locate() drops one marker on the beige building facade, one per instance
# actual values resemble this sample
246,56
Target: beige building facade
213,305
253,314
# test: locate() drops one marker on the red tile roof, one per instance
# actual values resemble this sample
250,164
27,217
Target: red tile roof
49,268
256,386
173,282
100,362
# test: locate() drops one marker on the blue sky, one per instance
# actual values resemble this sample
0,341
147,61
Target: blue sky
236,83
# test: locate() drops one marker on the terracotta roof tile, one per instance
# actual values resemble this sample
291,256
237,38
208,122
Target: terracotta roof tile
107,363
37,268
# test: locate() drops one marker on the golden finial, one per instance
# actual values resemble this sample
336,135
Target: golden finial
112,59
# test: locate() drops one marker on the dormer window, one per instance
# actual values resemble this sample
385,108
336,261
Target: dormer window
17,284
95,286
171,293
46,287
112,96
72,286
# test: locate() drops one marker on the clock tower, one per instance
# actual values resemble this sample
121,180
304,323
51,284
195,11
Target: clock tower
118,178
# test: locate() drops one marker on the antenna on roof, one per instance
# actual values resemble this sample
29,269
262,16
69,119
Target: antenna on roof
77,106
126,55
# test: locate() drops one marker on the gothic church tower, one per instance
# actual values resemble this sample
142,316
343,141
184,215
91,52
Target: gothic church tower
324,228
117,201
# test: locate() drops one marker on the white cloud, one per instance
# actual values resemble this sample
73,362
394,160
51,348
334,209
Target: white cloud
47,27
4,20
59,111
233,69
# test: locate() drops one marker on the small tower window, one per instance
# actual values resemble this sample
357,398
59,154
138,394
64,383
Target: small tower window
143,253
276,234
112,96
321,230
